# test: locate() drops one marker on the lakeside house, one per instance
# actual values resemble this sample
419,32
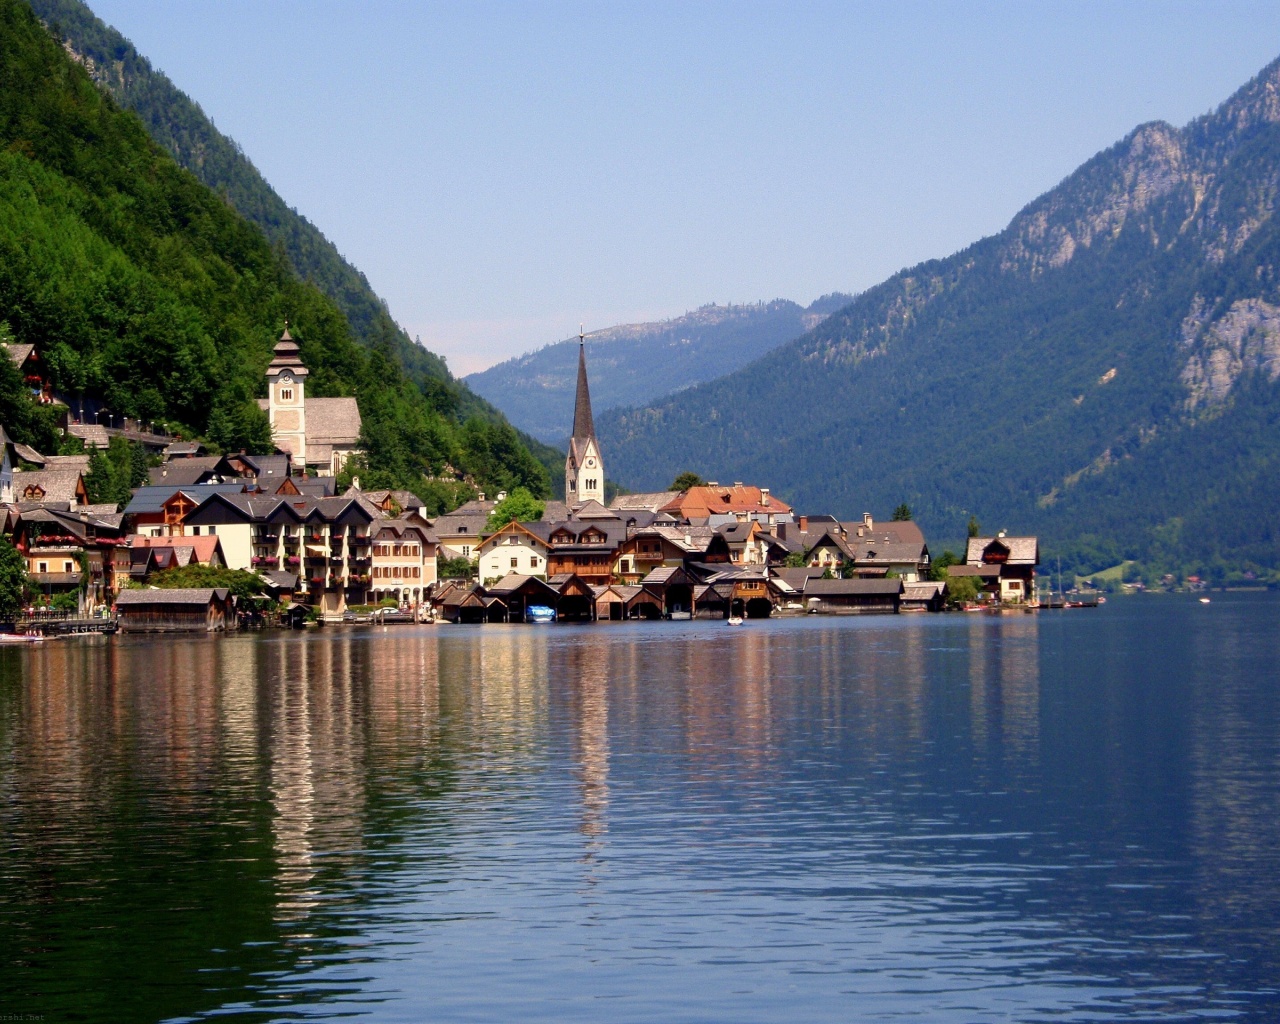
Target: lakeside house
1005,567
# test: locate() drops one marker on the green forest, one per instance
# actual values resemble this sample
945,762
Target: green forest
144,287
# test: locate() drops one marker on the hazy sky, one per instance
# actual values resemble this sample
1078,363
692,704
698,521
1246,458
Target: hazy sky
501,172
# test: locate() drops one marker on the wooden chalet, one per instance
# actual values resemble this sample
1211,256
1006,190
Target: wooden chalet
175,611
585,547
1014,559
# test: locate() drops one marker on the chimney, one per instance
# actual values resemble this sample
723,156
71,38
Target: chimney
867,521
713,483
737,483
804,524
780,530
481,498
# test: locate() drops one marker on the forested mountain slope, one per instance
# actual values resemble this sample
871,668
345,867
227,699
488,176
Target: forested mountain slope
177,123
635,363
142,286
1103,371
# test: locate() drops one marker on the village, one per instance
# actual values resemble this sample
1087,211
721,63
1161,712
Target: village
709,551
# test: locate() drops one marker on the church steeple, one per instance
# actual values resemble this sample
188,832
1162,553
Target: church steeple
583,425
583,468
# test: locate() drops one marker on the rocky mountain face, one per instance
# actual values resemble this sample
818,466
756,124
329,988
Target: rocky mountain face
634,363
1102,371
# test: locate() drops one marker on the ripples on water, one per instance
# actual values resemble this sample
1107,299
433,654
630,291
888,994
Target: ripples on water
1070,816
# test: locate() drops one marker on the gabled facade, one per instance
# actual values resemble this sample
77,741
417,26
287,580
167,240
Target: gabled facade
403,564
1007,564
516,548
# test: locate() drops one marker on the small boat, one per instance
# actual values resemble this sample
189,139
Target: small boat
1204,600
20,638
540,613
680,616
734,620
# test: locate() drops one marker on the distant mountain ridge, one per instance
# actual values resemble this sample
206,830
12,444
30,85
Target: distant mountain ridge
1102,371
634,363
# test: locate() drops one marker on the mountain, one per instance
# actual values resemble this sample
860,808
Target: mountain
636,363
179,126
146,289
1103,371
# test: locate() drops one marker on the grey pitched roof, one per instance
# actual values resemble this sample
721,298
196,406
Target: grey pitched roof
649,502
555,512
18,353
183,448
151,499
925,590
465,525
201,595
851,588
1022,550
886,552
80,462
181,472
797,577
58,485
92,434
332,421
28,454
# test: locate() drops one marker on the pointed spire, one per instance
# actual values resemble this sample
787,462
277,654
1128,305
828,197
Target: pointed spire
583,425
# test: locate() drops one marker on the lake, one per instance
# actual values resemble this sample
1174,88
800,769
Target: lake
1069,816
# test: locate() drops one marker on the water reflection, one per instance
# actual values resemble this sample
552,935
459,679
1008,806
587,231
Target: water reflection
942,817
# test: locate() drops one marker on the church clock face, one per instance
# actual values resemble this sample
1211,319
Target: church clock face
590,463
286,378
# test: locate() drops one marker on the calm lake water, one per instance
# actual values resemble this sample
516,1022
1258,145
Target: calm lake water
1073,816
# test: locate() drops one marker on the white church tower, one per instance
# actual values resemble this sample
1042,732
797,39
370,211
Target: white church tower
286,398
584,468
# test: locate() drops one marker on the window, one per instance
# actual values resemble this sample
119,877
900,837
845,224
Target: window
515,562
466,551
213,530
195,531
66,567
533,561
286,394
42,567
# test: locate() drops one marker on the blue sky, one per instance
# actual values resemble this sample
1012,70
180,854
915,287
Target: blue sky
502,171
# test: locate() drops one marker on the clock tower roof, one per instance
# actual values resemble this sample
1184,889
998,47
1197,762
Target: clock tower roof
286,356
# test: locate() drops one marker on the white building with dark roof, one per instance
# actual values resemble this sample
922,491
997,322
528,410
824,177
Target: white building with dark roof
319,433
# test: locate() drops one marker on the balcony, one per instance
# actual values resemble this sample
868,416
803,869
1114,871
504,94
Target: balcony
358,541
359,561
265,562
292,561
261,536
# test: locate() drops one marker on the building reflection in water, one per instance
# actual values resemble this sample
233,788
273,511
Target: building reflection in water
1004,689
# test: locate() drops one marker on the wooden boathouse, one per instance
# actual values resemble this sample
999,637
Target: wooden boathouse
193,610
